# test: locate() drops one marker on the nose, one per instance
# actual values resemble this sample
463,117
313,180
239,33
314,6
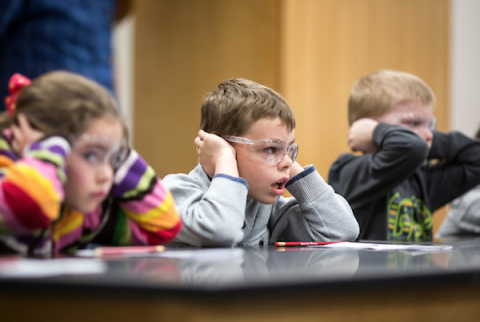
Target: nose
286,162
427,135
104,172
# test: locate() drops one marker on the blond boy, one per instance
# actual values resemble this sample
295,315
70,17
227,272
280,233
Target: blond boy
393,187
246,151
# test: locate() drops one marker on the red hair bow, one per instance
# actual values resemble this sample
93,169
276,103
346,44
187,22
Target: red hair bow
16,83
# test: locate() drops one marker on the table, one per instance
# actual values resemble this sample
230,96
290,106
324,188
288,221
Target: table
259,284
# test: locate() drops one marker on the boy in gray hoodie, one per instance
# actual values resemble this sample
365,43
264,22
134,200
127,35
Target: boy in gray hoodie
246,154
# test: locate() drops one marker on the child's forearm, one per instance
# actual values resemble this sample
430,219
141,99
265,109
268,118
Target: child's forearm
455,147
211,217
147,203
315,213
32,188
153,220
227,164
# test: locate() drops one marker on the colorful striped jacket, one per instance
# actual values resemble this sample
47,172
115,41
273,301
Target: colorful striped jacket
138,211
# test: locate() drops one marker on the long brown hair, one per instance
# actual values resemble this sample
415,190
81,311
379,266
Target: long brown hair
63,103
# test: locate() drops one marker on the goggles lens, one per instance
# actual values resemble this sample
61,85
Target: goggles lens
96,150
270,151
416,123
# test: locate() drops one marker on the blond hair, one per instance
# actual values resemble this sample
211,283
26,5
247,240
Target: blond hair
375,94
235,104
63,103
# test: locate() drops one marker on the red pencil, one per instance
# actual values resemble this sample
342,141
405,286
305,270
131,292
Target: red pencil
305,243
107,251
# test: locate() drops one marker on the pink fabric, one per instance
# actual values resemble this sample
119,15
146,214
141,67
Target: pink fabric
47,170
138,238
151,201
9,219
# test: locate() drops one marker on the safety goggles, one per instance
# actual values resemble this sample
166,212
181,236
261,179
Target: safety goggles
416,123
97,150
270,151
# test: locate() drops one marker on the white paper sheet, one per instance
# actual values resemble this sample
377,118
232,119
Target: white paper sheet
374,246
34,268
210,254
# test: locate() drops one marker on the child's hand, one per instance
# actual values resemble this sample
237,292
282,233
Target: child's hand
23,134
360,136
215,154
295,169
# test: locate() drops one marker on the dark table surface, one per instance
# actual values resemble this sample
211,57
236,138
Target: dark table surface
267,270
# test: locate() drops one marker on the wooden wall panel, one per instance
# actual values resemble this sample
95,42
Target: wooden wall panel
183,50
328,44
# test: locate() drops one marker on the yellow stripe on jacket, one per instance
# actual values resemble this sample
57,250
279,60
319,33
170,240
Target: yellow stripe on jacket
157,218
37,186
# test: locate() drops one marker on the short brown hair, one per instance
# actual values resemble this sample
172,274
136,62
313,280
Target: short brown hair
376,93
237,103
63,103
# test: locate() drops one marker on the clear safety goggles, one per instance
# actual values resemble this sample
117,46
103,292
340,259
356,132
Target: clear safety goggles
97,150
270,151
416,123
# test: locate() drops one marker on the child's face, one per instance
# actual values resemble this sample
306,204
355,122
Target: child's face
266,180
413,115
89,174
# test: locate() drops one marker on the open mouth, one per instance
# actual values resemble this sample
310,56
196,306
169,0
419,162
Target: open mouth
280,184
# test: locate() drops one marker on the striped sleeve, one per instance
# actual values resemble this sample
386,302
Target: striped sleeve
31,189
147,214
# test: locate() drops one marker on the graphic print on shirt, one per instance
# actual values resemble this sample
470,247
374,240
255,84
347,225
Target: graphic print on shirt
404,215
402,261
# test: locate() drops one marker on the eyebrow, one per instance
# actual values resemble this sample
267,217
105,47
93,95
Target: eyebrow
275,140
416,116
95,146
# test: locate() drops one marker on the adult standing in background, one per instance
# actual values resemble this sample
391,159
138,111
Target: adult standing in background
37,36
